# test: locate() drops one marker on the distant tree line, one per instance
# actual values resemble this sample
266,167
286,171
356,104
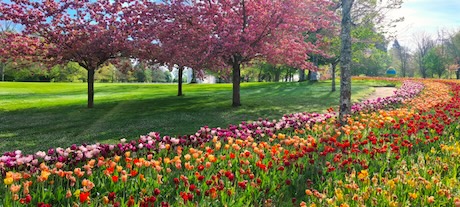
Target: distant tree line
433,57
72,72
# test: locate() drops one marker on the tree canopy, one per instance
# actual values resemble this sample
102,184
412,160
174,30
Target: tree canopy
87,32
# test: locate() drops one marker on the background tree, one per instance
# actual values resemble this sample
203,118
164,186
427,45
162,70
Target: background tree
106,74
269,72
181,36
369,24
453,46
403,55
125,69
424,45
453,69
17,49
434,63
87,32
160,76
375,12
5,27
302,76
333,48
27,71
143,72
369,50
70,72
261,71
370,62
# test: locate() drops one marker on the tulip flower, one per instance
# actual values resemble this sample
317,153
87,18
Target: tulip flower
84,196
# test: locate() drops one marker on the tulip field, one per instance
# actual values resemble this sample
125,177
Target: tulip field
401,150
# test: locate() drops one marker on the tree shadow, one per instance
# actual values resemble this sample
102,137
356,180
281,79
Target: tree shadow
39,128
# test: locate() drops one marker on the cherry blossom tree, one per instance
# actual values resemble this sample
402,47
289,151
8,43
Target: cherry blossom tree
87,32
178,35
182,37
17,48
239,31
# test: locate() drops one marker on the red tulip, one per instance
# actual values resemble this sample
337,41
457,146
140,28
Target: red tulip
112,196
84,196
156,191
130,201
192,187
242,184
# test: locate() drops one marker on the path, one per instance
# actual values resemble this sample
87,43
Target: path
381,92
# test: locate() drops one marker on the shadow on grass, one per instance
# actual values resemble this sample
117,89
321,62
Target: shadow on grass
129,116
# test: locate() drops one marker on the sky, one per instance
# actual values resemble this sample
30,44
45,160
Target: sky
426,16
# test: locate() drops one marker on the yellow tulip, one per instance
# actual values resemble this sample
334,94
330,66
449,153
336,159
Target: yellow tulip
363,174
8,180
77,193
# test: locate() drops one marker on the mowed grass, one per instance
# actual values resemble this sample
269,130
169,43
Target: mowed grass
37,116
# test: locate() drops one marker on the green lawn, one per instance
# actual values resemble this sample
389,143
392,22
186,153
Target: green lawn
36,116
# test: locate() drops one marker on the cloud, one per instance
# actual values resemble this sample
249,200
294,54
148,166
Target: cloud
425,16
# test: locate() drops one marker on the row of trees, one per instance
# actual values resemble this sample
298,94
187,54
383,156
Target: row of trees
72,72
212,35
218,36
432,57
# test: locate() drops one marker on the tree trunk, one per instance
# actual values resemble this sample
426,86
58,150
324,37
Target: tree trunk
458,73
236,81
2,69
333,76
403,68
401,58
179,81
277,75
301,75
91,72
345,62
113,74
309,75
193,77
423,72
259,77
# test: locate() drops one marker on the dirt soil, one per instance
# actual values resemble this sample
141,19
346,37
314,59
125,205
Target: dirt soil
382,92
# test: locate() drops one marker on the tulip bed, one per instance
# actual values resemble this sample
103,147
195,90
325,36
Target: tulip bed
395,151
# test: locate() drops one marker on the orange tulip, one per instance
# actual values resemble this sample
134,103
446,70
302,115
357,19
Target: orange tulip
15,188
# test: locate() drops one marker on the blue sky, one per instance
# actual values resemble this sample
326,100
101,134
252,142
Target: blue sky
426,16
